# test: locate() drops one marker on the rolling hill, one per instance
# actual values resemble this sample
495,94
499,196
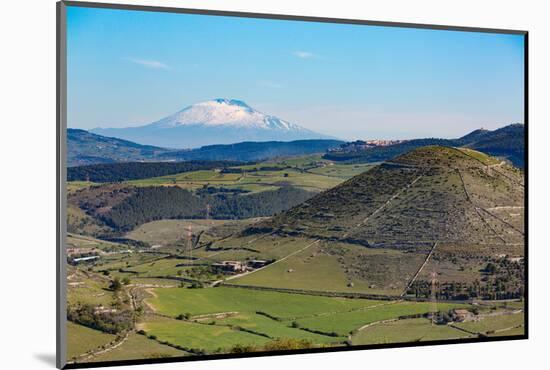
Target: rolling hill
123,171
506,142
86,148
253,151
451,214
121,207
431,194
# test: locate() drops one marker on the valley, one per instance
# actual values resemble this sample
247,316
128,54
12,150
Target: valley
296,252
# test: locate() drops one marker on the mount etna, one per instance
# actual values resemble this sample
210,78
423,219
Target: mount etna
218,121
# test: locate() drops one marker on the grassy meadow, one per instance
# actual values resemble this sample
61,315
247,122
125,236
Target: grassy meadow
406,331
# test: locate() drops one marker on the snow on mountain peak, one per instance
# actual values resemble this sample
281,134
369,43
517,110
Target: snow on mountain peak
235,102
225,112
216,121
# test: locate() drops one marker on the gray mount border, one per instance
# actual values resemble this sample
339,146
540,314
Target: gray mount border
61,188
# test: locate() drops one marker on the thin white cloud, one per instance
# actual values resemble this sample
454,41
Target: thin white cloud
303,54
149,63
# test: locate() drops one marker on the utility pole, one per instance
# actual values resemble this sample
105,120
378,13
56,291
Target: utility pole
208,210
190,243
433,298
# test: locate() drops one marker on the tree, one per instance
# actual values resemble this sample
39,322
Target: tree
491,268
126,280
115,285
183,316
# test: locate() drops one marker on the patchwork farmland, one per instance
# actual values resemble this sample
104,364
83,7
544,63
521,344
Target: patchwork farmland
425,247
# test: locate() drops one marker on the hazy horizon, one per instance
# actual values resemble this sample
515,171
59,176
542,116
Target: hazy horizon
346,81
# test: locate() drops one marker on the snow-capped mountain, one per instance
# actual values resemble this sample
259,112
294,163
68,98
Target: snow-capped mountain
218,121
224,112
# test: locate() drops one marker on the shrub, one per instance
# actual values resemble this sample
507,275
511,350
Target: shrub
287,344
115,285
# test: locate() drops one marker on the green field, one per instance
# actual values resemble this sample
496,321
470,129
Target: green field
345,322
276,329
251,181
170,235
77,185
144,281
84,288
211,338
335,267
163,267
169,267
168,232
139,347
307,172
262,246
175,301
509,332
81,339
86,242
488,325
299,274
402,331
306,270
126,260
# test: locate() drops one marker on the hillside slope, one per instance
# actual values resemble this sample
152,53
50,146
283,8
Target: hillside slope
253,151
506,142
85,148
431,194
122,207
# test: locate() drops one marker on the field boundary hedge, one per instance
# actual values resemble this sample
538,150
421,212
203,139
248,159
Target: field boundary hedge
378,297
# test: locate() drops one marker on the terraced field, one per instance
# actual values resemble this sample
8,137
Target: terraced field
139,347
406,331
344,323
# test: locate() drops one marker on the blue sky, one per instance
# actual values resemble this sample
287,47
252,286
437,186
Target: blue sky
129,68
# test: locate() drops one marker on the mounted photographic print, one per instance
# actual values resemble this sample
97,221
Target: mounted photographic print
236,184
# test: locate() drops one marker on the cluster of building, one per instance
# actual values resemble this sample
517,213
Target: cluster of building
359,145
460,315
77,255
79,260
239,266
71,252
